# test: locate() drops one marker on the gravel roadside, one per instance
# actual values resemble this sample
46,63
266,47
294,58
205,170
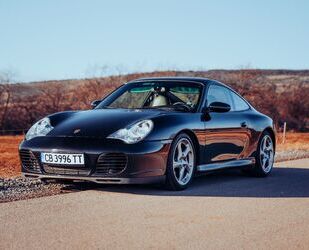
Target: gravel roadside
12,189
289,155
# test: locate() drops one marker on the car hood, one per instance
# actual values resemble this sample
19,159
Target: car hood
97,122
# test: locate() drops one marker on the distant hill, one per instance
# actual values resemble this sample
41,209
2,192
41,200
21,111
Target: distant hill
281,78
282,94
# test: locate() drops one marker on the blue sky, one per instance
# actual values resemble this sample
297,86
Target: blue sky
58,39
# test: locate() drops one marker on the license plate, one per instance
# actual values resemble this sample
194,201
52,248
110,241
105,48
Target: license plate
62,159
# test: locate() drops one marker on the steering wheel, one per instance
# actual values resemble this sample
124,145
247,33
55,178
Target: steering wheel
186,106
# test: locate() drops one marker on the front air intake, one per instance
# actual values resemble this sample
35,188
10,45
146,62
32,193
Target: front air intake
29,161
111,163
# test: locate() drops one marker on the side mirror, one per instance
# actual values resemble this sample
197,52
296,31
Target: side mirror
219,107
95,103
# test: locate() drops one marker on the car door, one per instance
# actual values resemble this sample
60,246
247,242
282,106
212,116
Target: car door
226,133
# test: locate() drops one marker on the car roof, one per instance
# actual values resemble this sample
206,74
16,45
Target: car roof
202,80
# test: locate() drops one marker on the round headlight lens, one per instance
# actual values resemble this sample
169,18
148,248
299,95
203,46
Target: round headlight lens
135,133
41,128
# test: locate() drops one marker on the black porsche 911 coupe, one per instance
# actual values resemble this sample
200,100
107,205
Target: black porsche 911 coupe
152,130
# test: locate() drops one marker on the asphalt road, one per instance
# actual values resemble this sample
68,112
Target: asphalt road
225,211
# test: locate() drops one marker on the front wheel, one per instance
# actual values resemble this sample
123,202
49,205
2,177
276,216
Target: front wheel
181,163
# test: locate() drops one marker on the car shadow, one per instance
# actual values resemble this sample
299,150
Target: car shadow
283,182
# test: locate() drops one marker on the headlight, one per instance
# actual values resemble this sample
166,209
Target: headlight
41,128
135,133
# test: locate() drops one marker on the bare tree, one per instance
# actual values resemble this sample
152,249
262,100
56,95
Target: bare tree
53,98
6,78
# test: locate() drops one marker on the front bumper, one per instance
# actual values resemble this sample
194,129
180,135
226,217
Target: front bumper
143,162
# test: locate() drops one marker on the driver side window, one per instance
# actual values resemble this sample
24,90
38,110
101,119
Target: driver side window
219,94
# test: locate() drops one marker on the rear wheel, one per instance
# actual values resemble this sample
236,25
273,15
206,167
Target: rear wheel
181,163
264,156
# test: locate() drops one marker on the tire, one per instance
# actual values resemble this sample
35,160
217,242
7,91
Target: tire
264,159
181,164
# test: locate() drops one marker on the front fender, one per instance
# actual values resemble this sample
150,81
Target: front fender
166,127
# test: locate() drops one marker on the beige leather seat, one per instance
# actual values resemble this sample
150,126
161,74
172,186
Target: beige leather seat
159,100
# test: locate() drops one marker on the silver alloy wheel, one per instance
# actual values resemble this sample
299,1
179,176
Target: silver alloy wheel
267,153
183,161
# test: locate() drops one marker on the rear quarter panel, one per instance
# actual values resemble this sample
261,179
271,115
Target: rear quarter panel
258,123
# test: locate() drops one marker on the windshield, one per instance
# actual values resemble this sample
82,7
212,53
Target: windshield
176,95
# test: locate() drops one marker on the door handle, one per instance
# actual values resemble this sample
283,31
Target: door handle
243,125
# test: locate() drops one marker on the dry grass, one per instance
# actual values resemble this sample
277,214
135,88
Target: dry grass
294,141
10,164
9,158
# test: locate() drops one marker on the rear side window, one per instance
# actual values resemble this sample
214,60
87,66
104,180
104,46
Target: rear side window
239,103
219,94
